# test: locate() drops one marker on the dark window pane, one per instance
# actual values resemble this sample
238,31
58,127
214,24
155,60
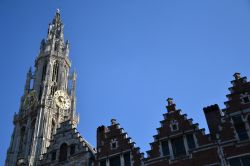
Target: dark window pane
190,141
127,159
72,149
63,152
246,100
165,149
246,160
240,127
115,161
235,162
103,163
178,147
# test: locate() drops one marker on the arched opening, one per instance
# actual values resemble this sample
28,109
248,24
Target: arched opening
52,129
21,146
32,130
55,71
44,71
63,152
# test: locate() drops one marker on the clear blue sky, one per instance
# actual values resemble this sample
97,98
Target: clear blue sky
130,56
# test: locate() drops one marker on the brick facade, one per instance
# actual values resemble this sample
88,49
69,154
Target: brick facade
45,127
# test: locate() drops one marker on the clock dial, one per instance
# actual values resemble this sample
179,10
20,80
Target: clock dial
62,99
30,100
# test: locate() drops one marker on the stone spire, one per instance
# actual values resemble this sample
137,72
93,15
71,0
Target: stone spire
55,44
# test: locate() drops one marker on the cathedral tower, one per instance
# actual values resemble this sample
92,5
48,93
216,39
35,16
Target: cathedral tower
48,99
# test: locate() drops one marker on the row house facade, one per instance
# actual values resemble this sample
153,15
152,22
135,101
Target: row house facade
45,128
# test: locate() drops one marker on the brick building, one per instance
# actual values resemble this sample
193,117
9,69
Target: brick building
45,131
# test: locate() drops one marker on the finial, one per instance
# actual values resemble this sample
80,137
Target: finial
113,121
237,76
170,101
58,11
74,75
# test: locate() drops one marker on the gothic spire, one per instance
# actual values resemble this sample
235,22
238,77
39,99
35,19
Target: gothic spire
55,44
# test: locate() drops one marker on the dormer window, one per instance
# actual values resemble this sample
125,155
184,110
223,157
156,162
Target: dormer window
174,125
113,144
245,98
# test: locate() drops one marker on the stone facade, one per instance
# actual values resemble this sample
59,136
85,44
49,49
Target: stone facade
45,131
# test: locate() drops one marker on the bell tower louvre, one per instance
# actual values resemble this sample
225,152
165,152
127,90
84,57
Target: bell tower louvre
45,127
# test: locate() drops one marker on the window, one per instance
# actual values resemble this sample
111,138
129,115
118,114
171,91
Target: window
53,89
244,98
190,141
127,161
115,161
44,71
114,143
72,149
239,126
53,155
52,129
165,149
174,125
55,71
40,92
103,163
240,161
178,147
63,152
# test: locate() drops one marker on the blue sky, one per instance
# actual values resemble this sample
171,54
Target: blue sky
130,56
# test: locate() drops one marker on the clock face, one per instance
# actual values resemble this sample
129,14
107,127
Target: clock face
62,99
30,100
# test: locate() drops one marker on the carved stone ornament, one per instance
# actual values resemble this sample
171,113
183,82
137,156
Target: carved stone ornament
30,100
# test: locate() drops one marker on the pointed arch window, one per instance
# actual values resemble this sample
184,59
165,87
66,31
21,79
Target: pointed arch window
32,130
53,89
21,146
44,71
55,71
63,152
52,129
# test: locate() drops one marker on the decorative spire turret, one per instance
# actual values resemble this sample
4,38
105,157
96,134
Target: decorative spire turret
54,44
28,79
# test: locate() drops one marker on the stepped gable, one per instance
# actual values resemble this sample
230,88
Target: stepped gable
239,97
68,147
179,141
114,146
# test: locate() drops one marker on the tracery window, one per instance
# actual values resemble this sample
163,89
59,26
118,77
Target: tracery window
44,71
55,71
